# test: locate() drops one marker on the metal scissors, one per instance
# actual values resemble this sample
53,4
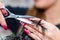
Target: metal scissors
19,17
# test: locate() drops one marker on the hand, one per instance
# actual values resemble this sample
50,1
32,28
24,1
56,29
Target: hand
44,31
2,19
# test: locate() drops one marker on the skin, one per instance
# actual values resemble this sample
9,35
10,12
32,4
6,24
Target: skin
51,31
2,19
52,14
44,3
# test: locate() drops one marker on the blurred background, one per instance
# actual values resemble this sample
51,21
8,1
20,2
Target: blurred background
19,7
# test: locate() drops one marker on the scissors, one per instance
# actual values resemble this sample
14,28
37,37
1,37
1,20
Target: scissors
19,17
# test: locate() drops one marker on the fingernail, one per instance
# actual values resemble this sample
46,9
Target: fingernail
26,31
5,27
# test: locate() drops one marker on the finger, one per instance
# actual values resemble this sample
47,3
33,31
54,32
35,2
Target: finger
36,23
48,31
2,21
45,24
34,31
4,12
48,25
34,19
31,35
33,26
2,6
51,29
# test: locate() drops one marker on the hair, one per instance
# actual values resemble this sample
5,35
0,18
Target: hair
14,25
36,12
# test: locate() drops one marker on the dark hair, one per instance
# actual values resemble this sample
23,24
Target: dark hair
13,25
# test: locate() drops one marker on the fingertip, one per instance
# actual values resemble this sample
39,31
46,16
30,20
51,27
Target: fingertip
26,31
5,27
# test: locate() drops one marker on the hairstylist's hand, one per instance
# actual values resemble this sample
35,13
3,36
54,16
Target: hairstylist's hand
2,19
50,31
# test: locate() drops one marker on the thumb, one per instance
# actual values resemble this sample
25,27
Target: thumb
2,21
